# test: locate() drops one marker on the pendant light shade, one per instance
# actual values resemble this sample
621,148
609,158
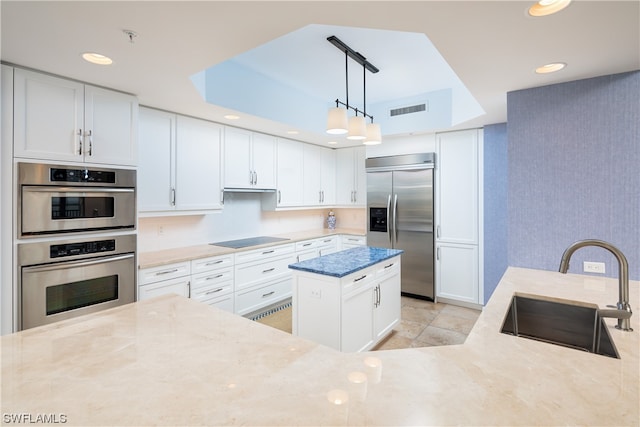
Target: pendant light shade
337,121
374,136
357,128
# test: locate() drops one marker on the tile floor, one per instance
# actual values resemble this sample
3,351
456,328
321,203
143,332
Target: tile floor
423,324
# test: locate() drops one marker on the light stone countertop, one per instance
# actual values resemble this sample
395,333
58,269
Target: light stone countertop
170,256
174,361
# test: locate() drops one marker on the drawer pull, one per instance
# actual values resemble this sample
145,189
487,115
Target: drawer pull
328,241
160,273
213,291
360,278
268,252
268,294
214,262
214,277
354,240
390,265
268,270
306,244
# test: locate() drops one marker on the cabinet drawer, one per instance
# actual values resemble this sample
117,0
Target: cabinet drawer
217,290
224,302
261,296
388,267
178,286
164,272
247,275
357,280
211,263
264,253
212,278
305,245
349,241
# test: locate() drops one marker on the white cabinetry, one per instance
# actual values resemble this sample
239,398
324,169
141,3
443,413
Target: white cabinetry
351,177
249,160
262,277
313,248
179,164
319,175
290,189
166,279
64,120
352,313
458,216
212,281
348,241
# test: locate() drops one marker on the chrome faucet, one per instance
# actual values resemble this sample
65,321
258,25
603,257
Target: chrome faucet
623,312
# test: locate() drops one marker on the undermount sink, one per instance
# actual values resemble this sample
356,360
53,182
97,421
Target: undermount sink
572,324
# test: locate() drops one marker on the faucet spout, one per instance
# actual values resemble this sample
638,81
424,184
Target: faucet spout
624,322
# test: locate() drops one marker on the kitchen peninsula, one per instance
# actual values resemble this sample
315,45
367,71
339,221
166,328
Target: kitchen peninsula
174,361
348,300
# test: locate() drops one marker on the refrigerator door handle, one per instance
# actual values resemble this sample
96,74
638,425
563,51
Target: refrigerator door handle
388,215
395,217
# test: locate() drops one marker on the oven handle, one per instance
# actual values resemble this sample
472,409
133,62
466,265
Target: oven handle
79,263
40,189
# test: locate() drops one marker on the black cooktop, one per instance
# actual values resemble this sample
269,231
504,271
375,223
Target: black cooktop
251,241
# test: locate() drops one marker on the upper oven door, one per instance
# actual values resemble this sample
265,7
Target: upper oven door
53,210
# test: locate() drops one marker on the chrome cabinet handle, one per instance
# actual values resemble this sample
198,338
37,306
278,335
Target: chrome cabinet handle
268,294
222,197
160,273
438,232
250,177
359,278
390,265
268,252
213,291
214,262
438,254
268,270
79,142
214,277
306,244
319,196
279,196
322,192
173,196
89,134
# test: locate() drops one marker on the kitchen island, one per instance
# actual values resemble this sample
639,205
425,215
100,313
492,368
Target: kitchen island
174,361
349,300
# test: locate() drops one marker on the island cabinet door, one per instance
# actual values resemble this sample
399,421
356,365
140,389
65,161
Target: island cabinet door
387,306
357,320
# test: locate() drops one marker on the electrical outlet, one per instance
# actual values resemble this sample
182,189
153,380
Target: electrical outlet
316,293
593,267
161,230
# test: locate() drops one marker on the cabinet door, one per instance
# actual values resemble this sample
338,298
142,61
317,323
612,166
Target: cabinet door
357,320
387,307
198,180
237,160
359,176
48,117
110,121
457,187
290,160
344,176
263,153
311,181
179,286
457,272
156,141
328,176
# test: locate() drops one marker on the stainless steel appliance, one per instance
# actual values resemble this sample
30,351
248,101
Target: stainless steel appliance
60,279
55,199
400,215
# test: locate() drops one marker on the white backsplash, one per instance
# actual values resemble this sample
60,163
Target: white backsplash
241,217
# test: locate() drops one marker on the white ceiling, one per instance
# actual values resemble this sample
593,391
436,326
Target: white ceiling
492,47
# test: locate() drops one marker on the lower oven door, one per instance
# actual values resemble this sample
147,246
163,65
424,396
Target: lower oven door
64,290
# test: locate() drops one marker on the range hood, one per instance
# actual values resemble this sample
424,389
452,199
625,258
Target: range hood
249,190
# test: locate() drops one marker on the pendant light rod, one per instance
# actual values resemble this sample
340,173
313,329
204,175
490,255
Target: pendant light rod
356,56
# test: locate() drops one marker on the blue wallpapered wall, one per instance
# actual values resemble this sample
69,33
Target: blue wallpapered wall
574,172
495,206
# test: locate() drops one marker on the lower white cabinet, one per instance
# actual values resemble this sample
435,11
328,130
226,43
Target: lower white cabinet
457,272
166,279
212,281
352,313
348,241
313,248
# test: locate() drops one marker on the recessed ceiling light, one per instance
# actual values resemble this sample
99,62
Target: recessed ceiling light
551,68
231,117
548,7
332,142
293,132
96,58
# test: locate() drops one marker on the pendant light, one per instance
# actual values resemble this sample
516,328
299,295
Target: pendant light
355,127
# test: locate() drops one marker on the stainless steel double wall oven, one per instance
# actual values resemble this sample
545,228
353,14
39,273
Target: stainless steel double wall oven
77,241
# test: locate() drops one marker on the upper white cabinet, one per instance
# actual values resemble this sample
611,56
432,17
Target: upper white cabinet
351,177
179,168
459,216
64,120
319,175
290,191
249,159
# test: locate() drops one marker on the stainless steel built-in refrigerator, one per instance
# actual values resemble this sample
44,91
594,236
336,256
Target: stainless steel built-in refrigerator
400,215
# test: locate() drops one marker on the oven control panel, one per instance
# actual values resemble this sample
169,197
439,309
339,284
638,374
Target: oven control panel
82,175
82,248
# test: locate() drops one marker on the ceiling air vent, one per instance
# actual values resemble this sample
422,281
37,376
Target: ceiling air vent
407,110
